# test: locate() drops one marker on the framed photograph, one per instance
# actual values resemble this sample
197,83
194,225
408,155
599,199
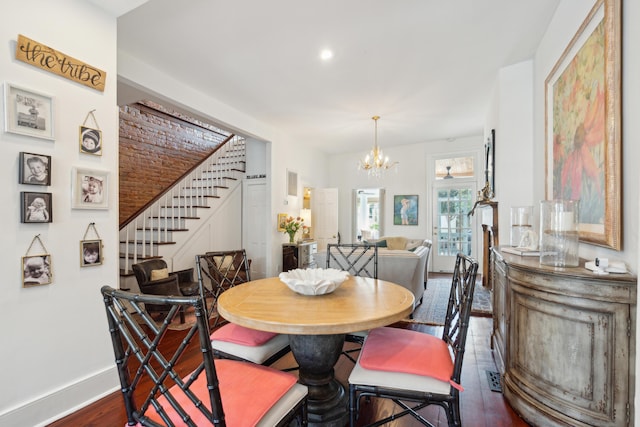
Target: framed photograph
27,112
282,217
89,189
36,270
36,207
90,141
90,253
583,132
34,169
405,210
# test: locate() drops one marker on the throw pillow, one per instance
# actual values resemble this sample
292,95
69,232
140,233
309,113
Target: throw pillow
395,243
224,262
379,243
163,273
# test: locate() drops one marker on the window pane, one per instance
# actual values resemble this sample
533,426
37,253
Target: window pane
459,167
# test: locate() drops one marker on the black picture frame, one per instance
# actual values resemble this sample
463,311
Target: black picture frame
30,169
490,161
36,207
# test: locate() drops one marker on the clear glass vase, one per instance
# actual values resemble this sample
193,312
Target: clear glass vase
559,233
521,222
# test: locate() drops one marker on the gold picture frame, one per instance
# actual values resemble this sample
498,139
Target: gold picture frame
36,270
583,128
282,217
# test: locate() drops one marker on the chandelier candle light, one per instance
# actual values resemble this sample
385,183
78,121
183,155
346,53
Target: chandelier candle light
375,163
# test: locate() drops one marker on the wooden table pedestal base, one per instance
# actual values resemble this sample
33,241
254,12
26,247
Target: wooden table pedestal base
316,356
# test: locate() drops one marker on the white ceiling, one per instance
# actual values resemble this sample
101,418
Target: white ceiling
427,67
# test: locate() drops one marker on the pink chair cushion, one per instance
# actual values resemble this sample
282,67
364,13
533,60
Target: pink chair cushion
241,335
410,352
247,390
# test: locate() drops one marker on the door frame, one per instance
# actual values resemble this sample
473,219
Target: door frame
433,184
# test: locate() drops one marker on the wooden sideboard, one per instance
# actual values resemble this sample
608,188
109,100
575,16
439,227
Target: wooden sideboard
564,342
299,255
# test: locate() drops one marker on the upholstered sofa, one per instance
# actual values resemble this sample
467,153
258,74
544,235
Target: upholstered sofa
400,260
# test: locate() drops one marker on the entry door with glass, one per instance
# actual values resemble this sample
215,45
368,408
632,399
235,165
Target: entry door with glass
453,231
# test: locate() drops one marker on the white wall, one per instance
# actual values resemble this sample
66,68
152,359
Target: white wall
511,114
514,152
56,352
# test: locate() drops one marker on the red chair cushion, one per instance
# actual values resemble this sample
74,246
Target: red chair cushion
247,390
241,335
411,352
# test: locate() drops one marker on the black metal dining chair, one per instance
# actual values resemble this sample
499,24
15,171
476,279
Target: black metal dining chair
162,386
218,271
224,270
388,366
358,259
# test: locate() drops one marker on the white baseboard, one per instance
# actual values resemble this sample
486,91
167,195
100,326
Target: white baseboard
45,409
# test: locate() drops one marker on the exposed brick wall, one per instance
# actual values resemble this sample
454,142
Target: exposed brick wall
155,150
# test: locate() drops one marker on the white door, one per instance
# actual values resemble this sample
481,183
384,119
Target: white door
255,223
452,227
324,216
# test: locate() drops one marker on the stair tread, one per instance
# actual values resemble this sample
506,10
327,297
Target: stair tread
130,256
174,217
161,229
205,187
182,207
204,195
147,243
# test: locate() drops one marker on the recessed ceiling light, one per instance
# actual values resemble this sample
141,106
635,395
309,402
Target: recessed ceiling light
326,54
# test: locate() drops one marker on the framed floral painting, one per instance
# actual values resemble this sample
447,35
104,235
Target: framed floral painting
583,143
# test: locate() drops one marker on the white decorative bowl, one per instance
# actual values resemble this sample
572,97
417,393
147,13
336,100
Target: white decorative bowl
314,281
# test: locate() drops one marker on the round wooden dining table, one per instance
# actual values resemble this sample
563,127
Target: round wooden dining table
316,326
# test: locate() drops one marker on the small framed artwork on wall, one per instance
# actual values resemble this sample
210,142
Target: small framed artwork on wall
34,169
90,253
405,210
27,112
36,207
36,270
89,189
90,141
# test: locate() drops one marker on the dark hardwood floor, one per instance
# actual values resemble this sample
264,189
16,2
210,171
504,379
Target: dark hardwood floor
480,406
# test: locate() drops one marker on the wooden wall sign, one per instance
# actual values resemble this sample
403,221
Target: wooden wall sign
48,59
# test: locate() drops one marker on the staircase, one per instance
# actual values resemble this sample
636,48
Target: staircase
168,226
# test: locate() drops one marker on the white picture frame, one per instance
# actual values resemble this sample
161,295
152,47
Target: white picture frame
27,112
89,189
